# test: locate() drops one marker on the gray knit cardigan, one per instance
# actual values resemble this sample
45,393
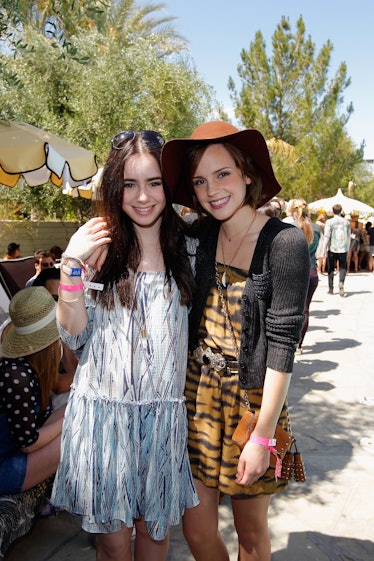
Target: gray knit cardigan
273,298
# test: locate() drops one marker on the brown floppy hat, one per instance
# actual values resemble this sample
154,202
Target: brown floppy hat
250,141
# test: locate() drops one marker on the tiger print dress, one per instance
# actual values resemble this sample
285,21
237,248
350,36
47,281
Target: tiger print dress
215,402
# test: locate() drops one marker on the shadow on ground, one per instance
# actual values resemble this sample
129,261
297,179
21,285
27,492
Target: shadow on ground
320,547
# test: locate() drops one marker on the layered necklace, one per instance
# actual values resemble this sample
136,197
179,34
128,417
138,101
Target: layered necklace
228,265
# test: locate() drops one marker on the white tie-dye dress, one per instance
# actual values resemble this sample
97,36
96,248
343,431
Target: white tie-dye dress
124,440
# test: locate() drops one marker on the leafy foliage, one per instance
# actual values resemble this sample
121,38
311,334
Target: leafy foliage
289,97
136,74
41,203
85,69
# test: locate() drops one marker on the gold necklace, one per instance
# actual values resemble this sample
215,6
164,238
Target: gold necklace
143,320
226,267
234,235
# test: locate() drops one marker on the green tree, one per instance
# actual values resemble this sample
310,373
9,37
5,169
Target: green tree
55,19
126,21
363,185
130,86
143,80
290,97
45,202
133,87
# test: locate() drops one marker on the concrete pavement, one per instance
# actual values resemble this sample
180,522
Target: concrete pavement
330,517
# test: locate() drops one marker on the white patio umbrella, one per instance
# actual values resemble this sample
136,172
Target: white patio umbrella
36,156
89,190
349,206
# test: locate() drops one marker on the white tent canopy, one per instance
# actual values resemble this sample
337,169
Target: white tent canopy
349,206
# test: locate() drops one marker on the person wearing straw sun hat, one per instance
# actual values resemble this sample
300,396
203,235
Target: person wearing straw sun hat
252,274
30,429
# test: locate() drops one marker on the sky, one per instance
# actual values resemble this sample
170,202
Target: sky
217,31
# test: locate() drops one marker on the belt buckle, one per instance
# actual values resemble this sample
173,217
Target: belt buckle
231,370
219,362
209,358
214,360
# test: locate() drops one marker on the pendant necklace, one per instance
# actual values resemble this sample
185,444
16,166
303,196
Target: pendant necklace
236,234
226,267
143,329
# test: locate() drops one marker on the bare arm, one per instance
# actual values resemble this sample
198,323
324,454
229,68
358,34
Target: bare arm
254,459
69,362
274,395
48,432
88,245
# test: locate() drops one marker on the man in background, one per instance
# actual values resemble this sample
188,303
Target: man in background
337,238
43,260
13,251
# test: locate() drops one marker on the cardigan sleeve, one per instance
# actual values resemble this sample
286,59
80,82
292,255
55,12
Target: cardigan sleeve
290,267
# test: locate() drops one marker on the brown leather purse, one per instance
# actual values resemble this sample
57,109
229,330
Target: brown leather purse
246,426
292,462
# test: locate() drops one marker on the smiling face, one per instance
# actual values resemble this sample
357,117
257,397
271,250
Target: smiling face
143,197
218,183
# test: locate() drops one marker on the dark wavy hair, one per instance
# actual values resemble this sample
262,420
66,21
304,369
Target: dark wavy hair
124,252
242,161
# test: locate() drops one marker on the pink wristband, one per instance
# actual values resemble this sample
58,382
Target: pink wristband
71,287
266,442
270,444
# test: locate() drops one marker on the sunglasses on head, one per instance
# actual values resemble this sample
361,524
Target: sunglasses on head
151,137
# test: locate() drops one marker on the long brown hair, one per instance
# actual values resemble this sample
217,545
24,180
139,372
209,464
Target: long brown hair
124,252
46,365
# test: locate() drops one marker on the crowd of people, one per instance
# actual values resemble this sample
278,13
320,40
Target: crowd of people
142,437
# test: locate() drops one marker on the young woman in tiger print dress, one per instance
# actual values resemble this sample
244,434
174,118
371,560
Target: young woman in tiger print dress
252,275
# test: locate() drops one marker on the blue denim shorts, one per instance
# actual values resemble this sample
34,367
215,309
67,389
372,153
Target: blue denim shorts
12,473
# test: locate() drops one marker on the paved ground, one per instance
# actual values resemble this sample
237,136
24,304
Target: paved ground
331,516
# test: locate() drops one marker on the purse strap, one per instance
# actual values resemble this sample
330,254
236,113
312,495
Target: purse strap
233,339
229,326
